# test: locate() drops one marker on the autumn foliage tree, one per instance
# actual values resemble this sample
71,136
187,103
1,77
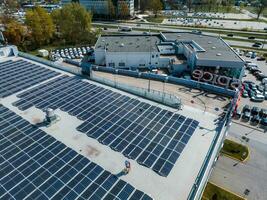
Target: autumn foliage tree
15,33
40,25
124,10
73,23
155,6
111,9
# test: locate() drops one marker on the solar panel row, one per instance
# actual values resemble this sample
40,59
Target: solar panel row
153,136
19,75
34,165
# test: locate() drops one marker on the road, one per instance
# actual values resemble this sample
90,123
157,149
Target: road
252,175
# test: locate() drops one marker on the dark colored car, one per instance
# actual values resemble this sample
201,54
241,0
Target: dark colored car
246,87
255,110
256,45
261,76
260,59
246,116
263,113
264,122
251,93
251,37
238,114
255,72
255,119
246,108
230,35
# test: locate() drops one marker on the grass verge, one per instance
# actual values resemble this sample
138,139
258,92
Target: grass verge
235,150
158,19
214,192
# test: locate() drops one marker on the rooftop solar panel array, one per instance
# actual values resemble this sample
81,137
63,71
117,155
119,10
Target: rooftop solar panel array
153,136
34,165
19,75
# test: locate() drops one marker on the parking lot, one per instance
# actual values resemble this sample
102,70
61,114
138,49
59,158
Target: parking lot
207,14
71,53
217,23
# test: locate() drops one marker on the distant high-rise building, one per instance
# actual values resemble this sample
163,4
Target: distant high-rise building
100,7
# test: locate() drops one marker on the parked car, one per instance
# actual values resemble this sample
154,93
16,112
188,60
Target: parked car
254,69
246,116
260,88
230,35
255,119
255,110
245,94
259,98
251,37
264,81
261,76
252,86
238,114
260,59
263,112
246,108
254,55
264,122
248,54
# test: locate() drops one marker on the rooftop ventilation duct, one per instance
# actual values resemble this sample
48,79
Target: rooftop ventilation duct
213,47
218,54
121,45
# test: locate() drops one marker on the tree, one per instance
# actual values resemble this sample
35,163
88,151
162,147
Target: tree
261,5
144,5
189,4
123,10
9,7
52,1
15,33
155,6
40,25
73,22
111,9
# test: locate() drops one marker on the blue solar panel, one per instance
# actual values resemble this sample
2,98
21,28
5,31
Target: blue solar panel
34,165
152,136
19,75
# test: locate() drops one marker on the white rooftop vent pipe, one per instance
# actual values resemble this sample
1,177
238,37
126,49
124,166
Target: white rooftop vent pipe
50,116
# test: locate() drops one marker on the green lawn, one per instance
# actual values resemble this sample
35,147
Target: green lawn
153,19
235,150
253,10
213,192
217,9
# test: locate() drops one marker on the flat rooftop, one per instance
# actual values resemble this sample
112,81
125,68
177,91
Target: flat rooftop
82,105
214,47
210,47
128,43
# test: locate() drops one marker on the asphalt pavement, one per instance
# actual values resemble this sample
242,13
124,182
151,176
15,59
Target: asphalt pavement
252,175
